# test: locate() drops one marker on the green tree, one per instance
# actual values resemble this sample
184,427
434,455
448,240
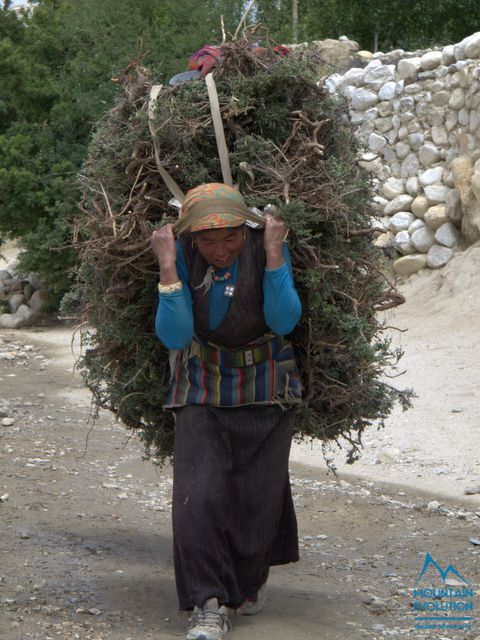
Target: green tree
56,66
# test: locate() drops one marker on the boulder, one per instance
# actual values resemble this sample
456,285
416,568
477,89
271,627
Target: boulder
410,165
363,99
393,187
418,223
429,154
5,275
438,256
430,60
436,193
403,244
419,206
40,301
447,235
23,317
16,300
472,46
401,221
436,216
411,186
422,239
457,99
400,203
377,74
387,91
408,265
431,176
408,66
453,207
376,142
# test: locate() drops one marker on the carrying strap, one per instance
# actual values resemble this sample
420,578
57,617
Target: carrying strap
167,178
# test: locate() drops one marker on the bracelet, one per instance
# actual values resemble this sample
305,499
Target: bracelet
170,288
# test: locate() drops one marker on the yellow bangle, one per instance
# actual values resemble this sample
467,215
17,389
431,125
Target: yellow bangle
170,288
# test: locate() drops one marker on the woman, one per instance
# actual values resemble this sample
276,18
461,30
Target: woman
226,300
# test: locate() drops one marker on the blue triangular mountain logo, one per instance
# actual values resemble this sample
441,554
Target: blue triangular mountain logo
450,570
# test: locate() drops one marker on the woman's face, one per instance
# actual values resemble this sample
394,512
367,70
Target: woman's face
220,247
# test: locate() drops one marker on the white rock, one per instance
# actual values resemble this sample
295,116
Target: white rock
422,239
7,422
419,206
354,76
439,136
401,221
448,55
363,99
356,117
372,166
430,60
383,124
459,51
407,265
333,82
385,108
402,150
451,120
417,224
436,216
431,176
402,243
393,187
400,203
441,98
408,66
411,186
415,140
429,154
436,193
457,99
453,207
379,204
376,142
447,235
472,46
410,166
347,91
371,114
463,117
407,105
433,505
387,91
376,76
438,256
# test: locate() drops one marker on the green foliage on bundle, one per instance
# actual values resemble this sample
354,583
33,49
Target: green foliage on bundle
290,146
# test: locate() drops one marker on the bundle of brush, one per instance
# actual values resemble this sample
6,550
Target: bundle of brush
290,147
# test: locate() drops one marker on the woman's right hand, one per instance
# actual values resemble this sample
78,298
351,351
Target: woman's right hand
163,246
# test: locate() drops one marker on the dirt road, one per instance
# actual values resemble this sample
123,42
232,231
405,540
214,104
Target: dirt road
86,539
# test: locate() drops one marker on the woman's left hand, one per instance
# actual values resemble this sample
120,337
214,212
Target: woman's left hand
274,235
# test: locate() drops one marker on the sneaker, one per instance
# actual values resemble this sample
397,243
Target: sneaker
209,622
249,607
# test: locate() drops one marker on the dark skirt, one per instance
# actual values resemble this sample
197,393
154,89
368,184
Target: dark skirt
233,513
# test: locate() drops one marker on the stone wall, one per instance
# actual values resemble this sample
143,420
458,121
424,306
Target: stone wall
417,116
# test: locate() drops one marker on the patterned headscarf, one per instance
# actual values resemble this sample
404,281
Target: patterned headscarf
213,206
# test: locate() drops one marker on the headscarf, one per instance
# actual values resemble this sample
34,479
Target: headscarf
213,206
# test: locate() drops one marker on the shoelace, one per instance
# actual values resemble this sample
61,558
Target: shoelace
211,618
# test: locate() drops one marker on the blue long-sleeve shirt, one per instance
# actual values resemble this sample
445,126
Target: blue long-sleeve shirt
174,321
